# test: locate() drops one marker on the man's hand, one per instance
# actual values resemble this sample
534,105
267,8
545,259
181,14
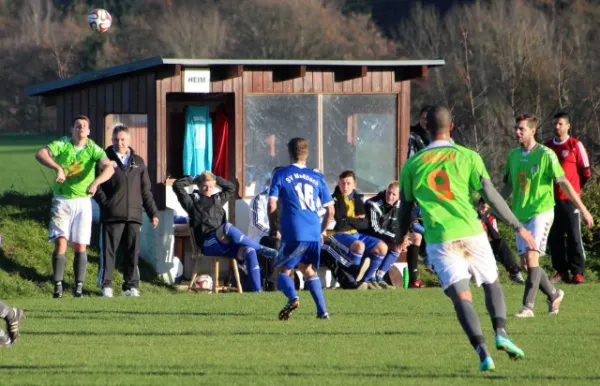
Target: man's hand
60,175
588,219
526,235
155,222
92,188
360,216
404,244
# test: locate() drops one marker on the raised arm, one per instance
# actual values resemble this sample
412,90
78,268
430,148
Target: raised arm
183,197
228,189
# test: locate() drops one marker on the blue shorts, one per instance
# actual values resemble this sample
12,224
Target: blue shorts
213,247
346,239
291,253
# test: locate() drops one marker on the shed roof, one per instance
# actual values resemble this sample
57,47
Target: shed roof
150,63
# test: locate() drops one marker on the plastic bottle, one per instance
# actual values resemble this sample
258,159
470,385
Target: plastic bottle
405,277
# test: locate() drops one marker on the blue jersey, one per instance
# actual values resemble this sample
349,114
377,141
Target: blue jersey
300,191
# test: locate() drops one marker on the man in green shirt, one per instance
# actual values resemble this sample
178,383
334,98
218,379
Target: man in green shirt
530,173
440,178
74,159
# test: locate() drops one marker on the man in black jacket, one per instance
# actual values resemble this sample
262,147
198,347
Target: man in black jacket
383,210
350,220
121,200
419,137
214,235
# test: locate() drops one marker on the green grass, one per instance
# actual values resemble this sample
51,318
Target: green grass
374,337
20,171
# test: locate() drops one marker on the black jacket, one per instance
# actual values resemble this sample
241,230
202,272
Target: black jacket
382,218
122,197
206,213
344,223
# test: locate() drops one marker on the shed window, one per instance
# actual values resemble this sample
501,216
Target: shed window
345,132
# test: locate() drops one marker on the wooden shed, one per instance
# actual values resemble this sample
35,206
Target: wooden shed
356,114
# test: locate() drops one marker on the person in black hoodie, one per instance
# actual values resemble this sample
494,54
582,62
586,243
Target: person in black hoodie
419,137
214,235
121,200
383,210
350,221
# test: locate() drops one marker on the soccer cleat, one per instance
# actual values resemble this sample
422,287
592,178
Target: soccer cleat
506,345
5,340
107,292
268,253
577,279
14,323
487,364
363,286
325,316
134,292
525,312
58,290
289,308
78,290
373,285
560,276
554,305
416,284
517,277
384,285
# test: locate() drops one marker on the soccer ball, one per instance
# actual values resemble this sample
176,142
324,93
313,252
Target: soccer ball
99,20
203,283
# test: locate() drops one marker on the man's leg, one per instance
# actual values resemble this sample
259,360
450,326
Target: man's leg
13,317
81,235
376,254
575,252
59,262
79,268
412,259
131,272
228,233
461,297
556,242
247,256
111,238
286,262
309,266
391,257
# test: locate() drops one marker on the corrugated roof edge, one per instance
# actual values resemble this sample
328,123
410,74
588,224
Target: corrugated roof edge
47,87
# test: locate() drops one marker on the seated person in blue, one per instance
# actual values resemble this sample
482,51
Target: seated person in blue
214,235
350,220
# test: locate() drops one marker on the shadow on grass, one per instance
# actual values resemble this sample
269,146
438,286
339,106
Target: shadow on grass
30,207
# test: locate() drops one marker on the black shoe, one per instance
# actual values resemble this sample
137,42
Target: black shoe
325,316
58,290
78,290
14,323
291,305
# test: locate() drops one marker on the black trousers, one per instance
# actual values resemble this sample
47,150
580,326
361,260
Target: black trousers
113,235
565,241
504,255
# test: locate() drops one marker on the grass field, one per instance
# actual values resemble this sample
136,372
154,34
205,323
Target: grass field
377,337
20,171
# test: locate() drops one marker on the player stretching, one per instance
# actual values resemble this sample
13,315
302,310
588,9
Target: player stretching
299,189
530,173
440,178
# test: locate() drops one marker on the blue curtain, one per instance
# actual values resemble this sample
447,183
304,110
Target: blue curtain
198,144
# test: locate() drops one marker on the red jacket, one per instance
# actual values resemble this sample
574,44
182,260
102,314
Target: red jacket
574,161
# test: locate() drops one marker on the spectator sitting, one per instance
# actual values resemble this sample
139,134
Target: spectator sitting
214,235
502,252
383,212
350,219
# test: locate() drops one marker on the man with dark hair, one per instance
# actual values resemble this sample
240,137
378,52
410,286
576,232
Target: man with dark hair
350,223
419,137
299,190
568,255
121,200
441,178
383,211
74,159
12,317
214,235
530,173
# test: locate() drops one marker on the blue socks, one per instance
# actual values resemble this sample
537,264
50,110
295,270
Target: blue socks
355,257
286,285
376,261
314,286
253,269
386,264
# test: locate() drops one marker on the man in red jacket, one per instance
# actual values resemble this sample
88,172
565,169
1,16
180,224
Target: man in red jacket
568,256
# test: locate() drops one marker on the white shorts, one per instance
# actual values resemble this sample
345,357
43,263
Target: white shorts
71,218
461,259
539,226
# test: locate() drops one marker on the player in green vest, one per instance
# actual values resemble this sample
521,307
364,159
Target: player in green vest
529,175
441,178
74,159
